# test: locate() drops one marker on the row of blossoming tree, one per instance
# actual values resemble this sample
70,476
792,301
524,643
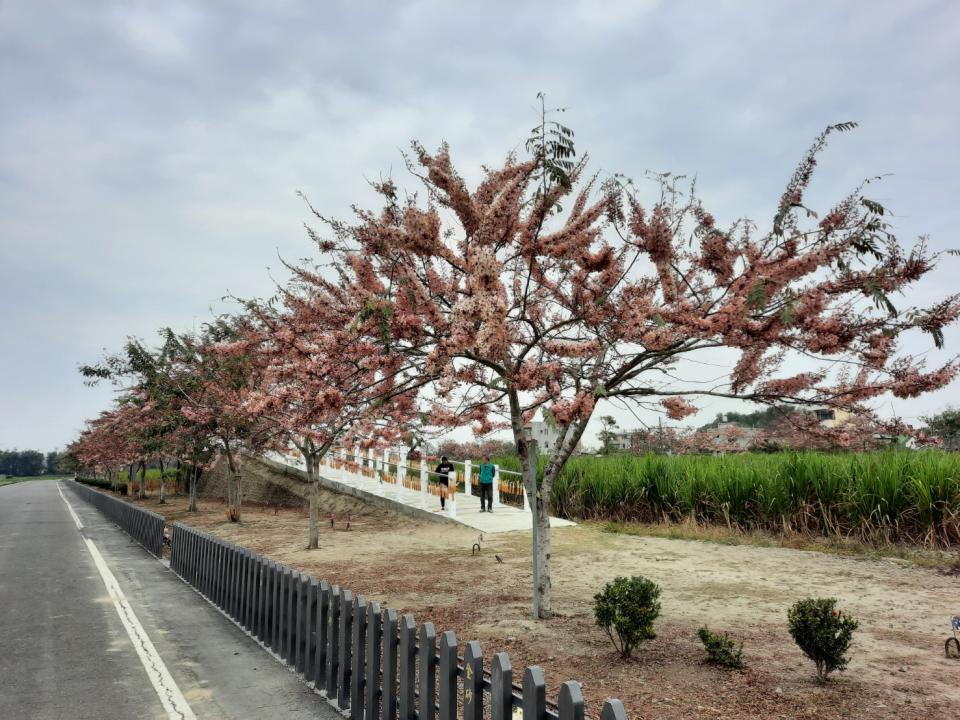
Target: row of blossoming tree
538,290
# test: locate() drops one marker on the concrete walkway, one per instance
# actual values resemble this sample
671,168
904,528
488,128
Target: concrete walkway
465,510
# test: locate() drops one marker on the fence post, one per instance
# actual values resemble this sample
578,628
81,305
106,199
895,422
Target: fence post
346,638
221,589
570,703
259,621
534,694
288,617
408,667
423,482
473,681
385,466
233,581
333,643
496,487
447,676
467,475
174,557
253,596
322,620
501,688
371,705
225,559
226,579
372,464
452,495
253,591
358,661
276,605
212,548
303,585
311,630
428,671
401,470
212,568
613,710
388,701
202,564
243,583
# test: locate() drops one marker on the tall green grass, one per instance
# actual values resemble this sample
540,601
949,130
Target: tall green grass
887,496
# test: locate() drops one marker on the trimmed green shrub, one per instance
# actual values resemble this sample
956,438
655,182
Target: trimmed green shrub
721,649
103,484
626,609
822,632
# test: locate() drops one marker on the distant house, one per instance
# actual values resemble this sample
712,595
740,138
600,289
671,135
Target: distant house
732,437
544,433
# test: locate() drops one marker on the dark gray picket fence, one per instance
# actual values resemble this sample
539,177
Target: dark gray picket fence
365,658
144,526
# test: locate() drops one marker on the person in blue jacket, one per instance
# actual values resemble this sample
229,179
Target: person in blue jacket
487,472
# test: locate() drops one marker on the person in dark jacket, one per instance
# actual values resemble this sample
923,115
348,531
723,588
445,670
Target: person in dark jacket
487,472
443,470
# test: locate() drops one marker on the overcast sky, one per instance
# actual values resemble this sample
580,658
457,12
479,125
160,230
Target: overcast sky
150,152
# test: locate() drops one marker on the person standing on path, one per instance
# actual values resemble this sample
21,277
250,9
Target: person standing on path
487,472
443,470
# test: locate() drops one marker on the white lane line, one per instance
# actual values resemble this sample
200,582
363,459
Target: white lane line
170,696
69,507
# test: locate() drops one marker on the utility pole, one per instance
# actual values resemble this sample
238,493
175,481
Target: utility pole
533,462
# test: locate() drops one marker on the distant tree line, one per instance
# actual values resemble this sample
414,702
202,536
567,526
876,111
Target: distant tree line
30,463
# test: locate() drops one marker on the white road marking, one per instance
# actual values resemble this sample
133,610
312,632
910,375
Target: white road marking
69,507
170,696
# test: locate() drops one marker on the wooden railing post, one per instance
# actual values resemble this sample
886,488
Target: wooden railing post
501,688
388,701
371,704
408,667
447,676
428,671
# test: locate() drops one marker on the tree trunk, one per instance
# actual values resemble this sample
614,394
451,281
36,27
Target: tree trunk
194,475
313,541
131,477
234,489
569,439
542,539
163,493
143,479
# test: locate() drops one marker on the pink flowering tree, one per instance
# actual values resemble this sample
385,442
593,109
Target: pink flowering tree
515,305
215,378
105,446
322,380
151,405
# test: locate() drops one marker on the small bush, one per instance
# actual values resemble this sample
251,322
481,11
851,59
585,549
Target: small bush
626,609
103,484
721,649
822,632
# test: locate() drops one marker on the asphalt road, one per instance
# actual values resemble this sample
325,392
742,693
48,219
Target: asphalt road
66,653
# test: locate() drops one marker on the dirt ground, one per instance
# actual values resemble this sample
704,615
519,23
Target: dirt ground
897,668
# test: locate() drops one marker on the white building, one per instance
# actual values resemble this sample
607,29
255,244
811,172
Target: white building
622,440
545,434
